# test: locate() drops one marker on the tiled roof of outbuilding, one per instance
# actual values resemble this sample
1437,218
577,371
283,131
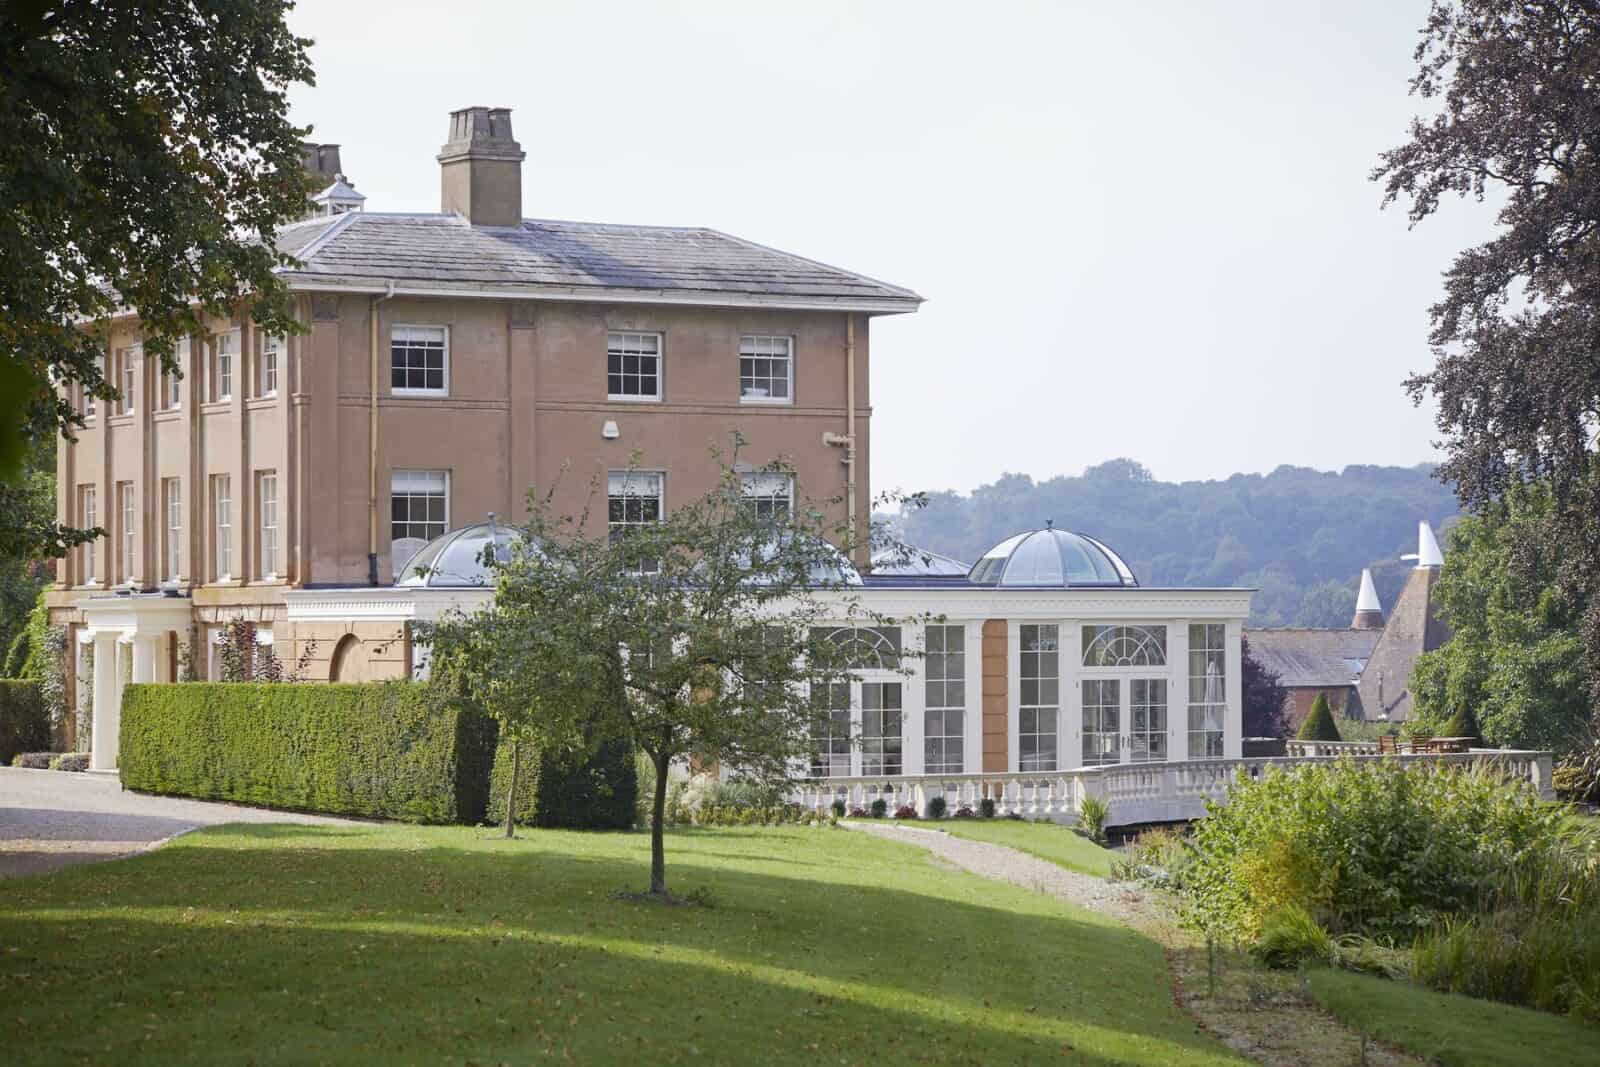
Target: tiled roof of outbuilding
580,259
1313,658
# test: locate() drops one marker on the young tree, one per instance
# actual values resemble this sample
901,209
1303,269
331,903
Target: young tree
512,658
1319,724
1262,693
718,626
1515,656
1516,378
146,160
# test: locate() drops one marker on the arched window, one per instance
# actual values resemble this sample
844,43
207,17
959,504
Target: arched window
1124,646
867,647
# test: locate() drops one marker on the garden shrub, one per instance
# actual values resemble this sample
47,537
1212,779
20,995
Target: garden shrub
34,761
965,812
1092,814
858,812
393,750
1289,938
1462,724
600,793
880,808
70,761
986,808
527,783
905,811
1374,848
1158,858
838,809
1319,724
24,719
937,806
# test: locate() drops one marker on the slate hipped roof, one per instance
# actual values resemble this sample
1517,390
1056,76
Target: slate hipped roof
578,260
1314,659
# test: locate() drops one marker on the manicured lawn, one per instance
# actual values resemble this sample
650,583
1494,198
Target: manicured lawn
407,944
1453,1030
1048,841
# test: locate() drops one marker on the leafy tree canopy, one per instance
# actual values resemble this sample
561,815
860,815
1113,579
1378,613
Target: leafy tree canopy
1262,694
1516,334
1299,536
1516,658
146,160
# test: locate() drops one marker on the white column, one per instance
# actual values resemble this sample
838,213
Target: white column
1178,690
913,710
1233,719
144,658
107,706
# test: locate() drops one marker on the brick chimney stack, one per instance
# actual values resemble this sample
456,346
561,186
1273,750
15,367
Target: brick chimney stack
480,168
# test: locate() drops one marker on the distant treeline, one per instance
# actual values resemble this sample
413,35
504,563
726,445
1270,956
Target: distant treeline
1300,536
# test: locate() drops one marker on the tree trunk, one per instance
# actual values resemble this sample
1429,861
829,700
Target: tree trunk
511,798
658,816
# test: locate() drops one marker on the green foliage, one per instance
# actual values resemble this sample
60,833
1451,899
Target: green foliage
1290,938
1462,724
1291,533
879,808
394,750
600,792
1158,858
24,722
1262,694
1516,656
838,808
1092,813
38,761
39,654
146,161
1378,848
528,772
986,808
937,806
70,761
1319,724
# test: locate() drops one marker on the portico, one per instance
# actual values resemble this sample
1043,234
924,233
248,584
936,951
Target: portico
131,638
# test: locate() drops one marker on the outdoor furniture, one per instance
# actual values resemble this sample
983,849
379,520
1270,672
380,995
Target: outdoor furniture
1387,745
1451,744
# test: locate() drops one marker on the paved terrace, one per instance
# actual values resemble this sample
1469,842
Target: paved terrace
52,819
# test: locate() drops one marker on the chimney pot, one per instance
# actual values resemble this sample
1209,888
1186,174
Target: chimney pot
480,168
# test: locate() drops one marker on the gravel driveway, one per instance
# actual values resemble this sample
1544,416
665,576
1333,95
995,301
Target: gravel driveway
50,819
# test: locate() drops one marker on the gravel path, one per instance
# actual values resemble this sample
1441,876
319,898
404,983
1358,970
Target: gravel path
51,819
1120,900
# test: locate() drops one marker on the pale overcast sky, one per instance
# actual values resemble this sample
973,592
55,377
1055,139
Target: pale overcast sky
1143,228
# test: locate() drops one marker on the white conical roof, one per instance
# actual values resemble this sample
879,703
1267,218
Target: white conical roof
1367,599
1428,554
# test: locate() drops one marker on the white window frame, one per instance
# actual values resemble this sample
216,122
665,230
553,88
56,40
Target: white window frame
126,377
938,678
87,506
661,367
876,758
224,363
1043,711
767,487
267,522
172,498
222,526
127,518
395,331
1197,704
407,482
171,397
619,484
755,341
273,348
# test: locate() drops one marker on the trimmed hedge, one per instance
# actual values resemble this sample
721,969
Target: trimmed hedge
392,750
600,794
1319,724
24,722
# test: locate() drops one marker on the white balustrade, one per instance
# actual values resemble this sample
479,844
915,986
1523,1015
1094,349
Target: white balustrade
1134,792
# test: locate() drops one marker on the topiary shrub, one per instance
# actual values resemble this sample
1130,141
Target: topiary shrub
1319,724
986,808
24,720
392,750
599,794
1464,723
838,809
880,808
937,806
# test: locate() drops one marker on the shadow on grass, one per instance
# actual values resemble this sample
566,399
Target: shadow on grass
429,950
